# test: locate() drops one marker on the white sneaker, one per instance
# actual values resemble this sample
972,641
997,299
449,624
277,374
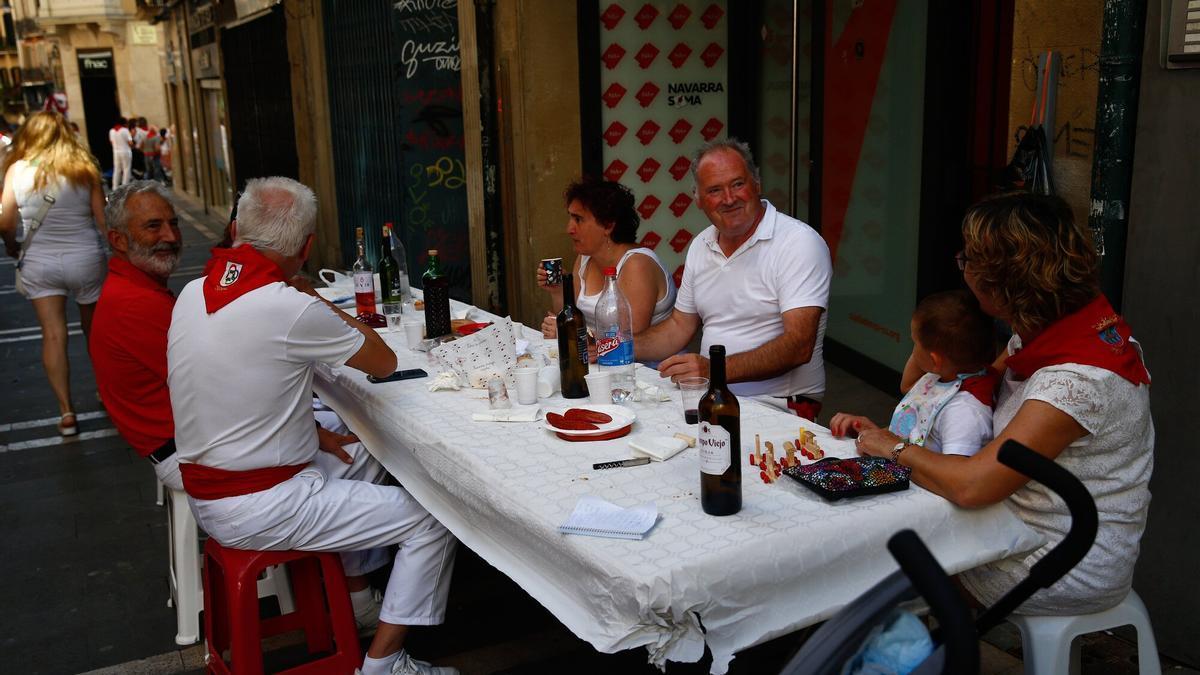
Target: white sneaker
368,615
407,665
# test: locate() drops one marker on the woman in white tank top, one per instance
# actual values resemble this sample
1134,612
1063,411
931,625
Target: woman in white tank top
66,253
602,223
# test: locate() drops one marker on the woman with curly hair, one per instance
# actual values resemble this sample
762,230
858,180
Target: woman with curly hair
602,224
46,165
1075,389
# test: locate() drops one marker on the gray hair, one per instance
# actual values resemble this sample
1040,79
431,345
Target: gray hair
116,215
740,147
277,214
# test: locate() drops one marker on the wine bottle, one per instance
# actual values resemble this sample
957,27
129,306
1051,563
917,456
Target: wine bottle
720,442
572,343
364,278
437,298
389,270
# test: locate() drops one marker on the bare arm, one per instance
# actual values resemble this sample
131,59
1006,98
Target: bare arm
982,480
9,213
374,357
640,282
98,210
664,339
793,348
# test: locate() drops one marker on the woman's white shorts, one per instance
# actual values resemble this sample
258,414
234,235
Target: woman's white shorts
78,272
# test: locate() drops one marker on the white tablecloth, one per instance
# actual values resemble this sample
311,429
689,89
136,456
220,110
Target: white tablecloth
787,560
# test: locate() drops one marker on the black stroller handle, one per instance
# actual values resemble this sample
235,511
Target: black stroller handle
1073,547
957,632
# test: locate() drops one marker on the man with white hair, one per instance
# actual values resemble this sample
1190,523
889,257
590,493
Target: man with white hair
240,353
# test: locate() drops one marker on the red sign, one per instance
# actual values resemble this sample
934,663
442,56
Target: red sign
612,56
648,131
678,277
680,130
612,16
648,168
711,128
680,204
711,16
646,16
648,206
680,241
614,133
650,241
613,95
679,16
646,55
616,170
647,94
711,53
606,344
679,54
680,168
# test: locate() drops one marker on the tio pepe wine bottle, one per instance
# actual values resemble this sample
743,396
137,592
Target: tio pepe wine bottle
720,442
572,343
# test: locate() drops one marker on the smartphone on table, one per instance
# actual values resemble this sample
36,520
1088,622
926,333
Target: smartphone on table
410,374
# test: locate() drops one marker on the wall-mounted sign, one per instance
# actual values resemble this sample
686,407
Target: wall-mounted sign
205,61
96,64
144,34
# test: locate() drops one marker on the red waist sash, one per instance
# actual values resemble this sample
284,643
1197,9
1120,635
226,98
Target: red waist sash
206,482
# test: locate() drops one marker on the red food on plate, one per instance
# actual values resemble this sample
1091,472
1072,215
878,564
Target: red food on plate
559,422
584,415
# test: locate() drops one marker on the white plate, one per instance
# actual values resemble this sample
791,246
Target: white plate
342,296
621,418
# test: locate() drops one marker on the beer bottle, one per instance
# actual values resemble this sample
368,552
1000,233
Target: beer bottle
720,442
389,271
436,286
364,278
572,343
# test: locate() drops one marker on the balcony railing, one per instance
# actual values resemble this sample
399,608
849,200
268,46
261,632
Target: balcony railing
71,11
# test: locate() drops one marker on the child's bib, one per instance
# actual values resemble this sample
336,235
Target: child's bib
914,416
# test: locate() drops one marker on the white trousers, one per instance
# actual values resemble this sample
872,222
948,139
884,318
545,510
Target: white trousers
122,163
333,506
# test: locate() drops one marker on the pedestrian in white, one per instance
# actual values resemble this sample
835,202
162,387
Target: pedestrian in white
240,358
122,150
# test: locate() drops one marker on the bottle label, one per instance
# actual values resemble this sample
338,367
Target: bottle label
581,339
364,282
714,449
611,350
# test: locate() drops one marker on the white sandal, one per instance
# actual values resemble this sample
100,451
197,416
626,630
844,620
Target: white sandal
65,429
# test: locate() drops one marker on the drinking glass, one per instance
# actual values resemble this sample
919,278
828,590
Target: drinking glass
691,390
394,311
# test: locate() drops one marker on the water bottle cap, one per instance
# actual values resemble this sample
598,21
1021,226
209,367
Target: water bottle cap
610,271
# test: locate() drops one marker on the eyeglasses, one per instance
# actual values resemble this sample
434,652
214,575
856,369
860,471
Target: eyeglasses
961,260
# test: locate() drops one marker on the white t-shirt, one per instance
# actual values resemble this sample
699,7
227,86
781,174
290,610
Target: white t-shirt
69,225
139,137
962,426
784,265
241,379
120,140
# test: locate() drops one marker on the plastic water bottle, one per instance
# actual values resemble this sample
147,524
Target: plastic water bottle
401,258
614,342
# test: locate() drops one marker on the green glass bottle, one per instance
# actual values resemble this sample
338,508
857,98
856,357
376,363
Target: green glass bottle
436,286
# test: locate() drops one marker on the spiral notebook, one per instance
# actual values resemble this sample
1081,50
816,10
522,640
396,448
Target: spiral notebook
596,517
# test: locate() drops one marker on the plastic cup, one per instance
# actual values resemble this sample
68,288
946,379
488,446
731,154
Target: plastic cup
527,385
394,311
691,390
599,388
549,381
414,332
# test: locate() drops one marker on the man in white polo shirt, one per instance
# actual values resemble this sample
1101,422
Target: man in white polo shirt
757,281
240,357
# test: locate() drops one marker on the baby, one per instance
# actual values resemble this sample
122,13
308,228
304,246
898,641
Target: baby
949,409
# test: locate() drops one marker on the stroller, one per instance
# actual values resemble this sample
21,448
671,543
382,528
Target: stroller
956,640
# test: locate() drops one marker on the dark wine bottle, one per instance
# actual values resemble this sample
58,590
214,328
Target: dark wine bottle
436,286
720,442
389,270
572,343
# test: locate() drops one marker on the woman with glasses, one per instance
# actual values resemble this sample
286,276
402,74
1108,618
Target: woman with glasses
1075,389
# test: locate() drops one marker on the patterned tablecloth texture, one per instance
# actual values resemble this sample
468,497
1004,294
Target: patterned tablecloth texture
787,560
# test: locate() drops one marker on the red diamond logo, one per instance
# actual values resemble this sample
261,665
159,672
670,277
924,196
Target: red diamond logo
615,170
646,16
614,94
647,94
680,204
711,128
650,241
648,131
680,130
648,168
680,168
679,16
612,16
612,56
678,276
646,55
711,53
679,242
679,54
648,206
711,16
614,133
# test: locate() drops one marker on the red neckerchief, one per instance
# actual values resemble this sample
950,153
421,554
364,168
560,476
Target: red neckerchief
233,272
982,386
118,127
206,482
1093,336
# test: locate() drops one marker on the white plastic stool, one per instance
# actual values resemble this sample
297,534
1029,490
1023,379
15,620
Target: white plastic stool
187,590
1047,640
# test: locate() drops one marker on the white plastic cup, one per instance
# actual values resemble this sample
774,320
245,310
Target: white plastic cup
599,387
414,332
527,385
549,380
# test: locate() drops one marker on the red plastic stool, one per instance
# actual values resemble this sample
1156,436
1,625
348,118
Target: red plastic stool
231,618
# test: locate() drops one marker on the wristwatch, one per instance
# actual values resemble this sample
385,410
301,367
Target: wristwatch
897,449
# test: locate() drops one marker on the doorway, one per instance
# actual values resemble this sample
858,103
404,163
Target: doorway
98,84
217,125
